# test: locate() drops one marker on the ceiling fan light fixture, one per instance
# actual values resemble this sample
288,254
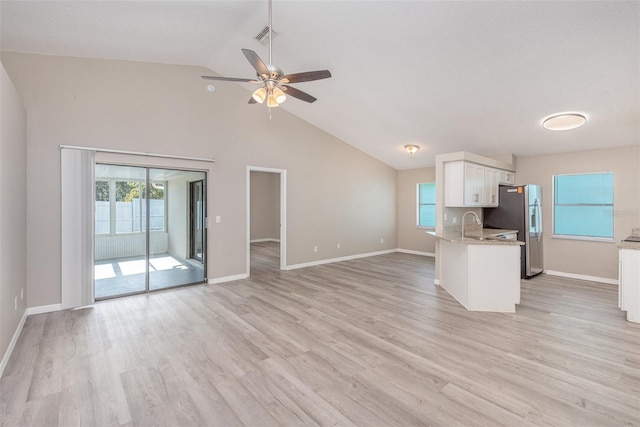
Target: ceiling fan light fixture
279,95
411,148
260,95
271,100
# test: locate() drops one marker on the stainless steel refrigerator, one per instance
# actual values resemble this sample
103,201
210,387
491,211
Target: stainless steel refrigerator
520,208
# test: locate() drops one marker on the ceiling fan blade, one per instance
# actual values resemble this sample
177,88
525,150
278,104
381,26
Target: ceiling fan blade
297,93
252,101
230,79
256,62
307,76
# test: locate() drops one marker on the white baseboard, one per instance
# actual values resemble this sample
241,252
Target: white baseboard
409,251
264,240
225,279
582,277
44,309
12,344
332,260
436,282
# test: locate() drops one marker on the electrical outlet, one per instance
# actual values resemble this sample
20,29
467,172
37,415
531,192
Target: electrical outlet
455,220
445,216
338,245
218,219
21,293
315,249
15,303
382,240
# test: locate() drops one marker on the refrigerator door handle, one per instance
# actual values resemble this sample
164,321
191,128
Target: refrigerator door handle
539,221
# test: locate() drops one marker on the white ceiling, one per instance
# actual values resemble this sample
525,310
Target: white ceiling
448,76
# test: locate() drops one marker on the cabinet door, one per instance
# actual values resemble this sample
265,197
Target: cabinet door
454,184
506,177
490,187
629,296
473,184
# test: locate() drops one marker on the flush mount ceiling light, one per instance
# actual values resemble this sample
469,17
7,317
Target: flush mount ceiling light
564,121
411,148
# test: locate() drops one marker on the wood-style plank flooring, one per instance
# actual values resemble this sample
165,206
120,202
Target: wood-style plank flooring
368,342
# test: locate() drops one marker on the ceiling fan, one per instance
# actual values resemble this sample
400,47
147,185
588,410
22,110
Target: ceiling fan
274,87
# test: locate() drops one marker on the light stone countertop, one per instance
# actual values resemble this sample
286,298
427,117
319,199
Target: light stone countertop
629,245
485,232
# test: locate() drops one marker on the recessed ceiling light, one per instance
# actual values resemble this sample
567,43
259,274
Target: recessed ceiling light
411,148
564,121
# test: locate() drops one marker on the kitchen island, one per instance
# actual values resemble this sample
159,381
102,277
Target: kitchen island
481,271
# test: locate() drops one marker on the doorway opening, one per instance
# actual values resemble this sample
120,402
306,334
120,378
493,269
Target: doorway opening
266,220
150,229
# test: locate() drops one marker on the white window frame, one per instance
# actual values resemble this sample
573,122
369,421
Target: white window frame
553,211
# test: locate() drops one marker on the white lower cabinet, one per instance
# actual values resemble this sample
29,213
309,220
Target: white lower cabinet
629,283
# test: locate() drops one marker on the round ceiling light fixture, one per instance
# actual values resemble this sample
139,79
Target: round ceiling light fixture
411,148
564,121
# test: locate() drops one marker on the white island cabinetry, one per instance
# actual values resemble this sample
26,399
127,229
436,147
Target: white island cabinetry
482,277
629,286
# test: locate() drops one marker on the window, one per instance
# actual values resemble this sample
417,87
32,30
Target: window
103,218
427,204
583,205
121,206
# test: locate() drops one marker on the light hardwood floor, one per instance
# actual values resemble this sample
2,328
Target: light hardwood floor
368,342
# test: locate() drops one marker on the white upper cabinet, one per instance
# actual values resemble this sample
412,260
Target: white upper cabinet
491,186
464,184
506,177
472,185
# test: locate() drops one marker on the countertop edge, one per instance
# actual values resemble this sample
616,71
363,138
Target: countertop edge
471,241
629,245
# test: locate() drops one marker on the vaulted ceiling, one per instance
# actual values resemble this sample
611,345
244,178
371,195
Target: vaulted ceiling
448,76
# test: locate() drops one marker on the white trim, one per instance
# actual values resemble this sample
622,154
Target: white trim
409,251
582,277
225,279
436,282
344,258
12,344
44,309
283,214
138,153
583,238
264,240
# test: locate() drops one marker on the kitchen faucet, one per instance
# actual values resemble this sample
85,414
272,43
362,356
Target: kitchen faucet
464,216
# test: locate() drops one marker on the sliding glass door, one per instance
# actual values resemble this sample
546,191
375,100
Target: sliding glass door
143,233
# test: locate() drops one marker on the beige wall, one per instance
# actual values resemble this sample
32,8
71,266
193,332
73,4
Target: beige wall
597,259
265,205
410,236
13,190
336,194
